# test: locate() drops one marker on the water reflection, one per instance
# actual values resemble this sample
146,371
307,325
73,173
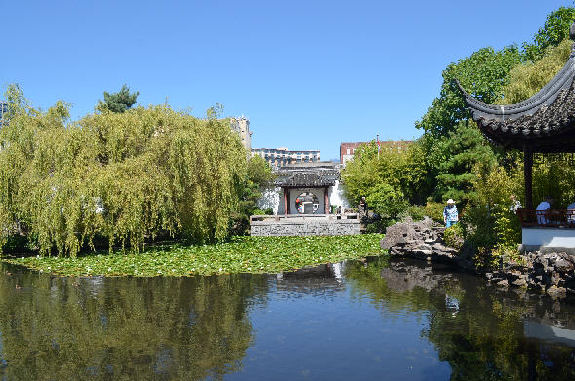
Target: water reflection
353,320
483,333
70,328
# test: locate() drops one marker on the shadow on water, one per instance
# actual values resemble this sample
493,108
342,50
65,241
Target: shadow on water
215,327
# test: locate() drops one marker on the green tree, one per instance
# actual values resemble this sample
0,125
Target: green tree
118,102
555,30
464,148
126,178
259,175
483,75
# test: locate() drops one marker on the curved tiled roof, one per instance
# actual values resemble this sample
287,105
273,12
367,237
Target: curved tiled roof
316,175
543,123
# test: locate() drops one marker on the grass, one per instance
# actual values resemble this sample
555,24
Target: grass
240,255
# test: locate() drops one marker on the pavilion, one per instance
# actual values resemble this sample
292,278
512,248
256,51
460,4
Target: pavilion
306,188
306,199
544,123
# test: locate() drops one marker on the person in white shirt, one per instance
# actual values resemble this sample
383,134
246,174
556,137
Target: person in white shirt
545,205
571,213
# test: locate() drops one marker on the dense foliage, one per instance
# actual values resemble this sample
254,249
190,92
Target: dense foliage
389,181
240,255
122,177
453,160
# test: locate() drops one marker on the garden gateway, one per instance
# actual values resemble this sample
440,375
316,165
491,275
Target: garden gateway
306,200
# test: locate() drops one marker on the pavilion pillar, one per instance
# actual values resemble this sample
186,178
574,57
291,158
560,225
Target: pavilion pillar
528,176
326,200
286,201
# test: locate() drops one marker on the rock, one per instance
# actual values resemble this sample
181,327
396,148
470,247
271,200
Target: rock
563,266
556,292
520,282
553,273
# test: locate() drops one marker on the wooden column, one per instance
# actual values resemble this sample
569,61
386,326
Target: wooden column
528,176
286,201
326,200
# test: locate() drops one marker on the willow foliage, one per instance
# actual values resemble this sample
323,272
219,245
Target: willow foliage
527,79
123,177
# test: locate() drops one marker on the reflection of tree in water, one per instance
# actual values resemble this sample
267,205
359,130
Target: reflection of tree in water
125,328
479,332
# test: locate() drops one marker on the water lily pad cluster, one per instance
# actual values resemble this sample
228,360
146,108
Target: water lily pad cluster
239,255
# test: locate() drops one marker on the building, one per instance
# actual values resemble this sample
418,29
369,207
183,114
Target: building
305,188
347,150
241,126
306,199
3,113
281,157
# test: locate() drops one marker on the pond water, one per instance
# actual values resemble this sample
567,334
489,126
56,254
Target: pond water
354,320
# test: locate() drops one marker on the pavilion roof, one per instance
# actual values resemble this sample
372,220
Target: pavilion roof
307,176
543,123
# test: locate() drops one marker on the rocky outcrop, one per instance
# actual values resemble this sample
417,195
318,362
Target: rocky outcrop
422,240
551,273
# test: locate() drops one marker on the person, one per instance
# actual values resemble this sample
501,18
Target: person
363,204
515,204
542,210
571,213
450,214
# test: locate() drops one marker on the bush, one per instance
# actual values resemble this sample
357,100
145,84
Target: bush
416,212
454,236
263,212
435,211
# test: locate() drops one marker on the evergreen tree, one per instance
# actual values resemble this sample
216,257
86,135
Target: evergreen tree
461,150
118,102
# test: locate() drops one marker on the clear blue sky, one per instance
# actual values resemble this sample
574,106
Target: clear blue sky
308,74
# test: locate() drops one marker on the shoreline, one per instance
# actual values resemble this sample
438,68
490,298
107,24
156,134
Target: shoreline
549,273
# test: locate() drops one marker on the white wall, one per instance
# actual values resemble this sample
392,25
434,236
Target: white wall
548,237
336,196
274,198
271,199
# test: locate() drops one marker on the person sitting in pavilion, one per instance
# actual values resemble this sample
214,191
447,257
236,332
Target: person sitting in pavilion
571,213
543,209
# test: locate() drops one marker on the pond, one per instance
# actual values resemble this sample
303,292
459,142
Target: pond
360,320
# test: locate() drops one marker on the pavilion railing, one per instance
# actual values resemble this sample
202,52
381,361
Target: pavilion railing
555,218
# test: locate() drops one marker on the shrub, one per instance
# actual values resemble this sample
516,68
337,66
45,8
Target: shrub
435,211
454,236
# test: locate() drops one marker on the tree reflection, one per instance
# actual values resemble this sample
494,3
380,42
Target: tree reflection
479,331
160,328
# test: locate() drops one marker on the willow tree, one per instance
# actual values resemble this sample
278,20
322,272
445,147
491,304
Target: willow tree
125,177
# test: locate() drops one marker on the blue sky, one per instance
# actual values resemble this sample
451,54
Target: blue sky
308,74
